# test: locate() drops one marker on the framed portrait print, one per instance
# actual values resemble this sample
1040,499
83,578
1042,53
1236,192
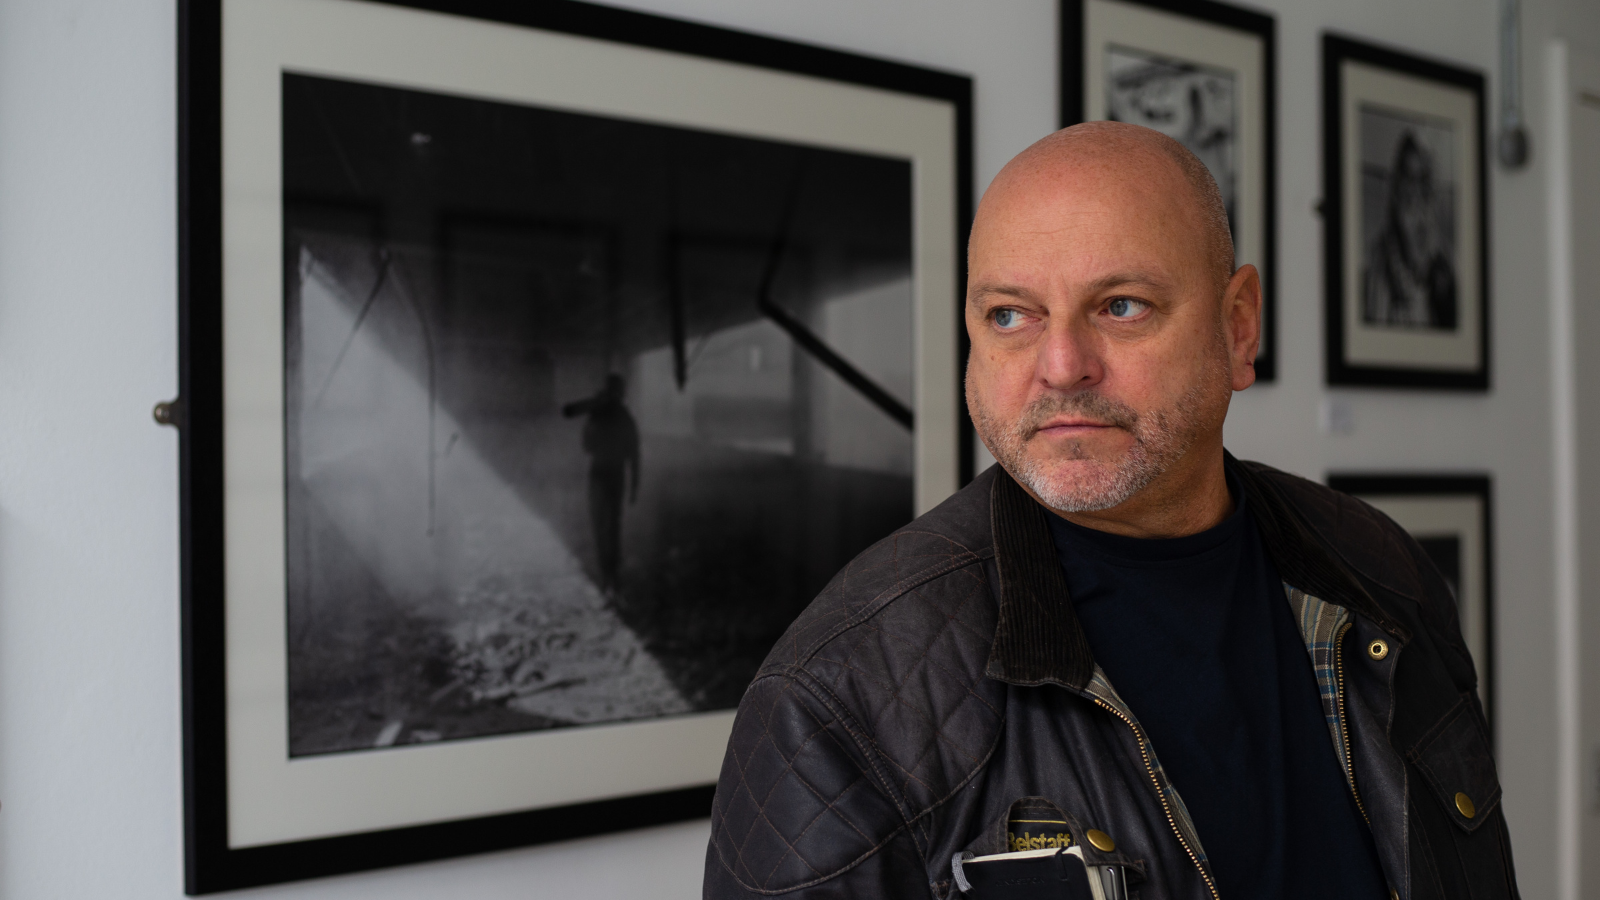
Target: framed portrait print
1452,517
1405,202
539,363
1200,72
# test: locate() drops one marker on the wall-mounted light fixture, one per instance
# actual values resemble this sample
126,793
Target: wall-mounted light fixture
1512,143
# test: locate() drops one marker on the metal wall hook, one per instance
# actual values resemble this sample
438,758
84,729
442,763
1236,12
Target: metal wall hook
169,412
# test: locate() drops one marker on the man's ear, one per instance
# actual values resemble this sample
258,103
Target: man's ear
1241,323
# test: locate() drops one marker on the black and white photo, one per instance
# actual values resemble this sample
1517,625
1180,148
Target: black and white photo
1193,103
550,427
1202,74
537,371
1404,220
1408,220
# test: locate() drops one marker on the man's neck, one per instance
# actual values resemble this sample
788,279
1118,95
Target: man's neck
1189,498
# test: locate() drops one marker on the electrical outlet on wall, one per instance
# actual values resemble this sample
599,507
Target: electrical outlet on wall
1336,416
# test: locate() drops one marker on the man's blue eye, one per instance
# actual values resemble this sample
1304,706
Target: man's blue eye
1007,318
1123,308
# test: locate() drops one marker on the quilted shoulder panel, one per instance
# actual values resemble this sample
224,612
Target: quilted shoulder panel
913,675
870,711
797,802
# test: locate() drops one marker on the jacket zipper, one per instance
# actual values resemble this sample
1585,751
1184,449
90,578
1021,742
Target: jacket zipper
1344,729
1162,795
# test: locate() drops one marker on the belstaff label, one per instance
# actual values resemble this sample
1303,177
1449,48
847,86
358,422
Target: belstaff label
1037,834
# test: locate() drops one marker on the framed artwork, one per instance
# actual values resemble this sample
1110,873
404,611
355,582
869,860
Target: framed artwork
539,363
1452,517
1203,73
1405,201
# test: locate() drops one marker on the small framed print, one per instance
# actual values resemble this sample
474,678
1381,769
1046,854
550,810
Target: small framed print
1200,72
540,362
1452,517
1404,206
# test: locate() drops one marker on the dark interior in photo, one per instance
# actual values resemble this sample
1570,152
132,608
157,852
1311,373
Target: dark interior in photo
1444,550
581,411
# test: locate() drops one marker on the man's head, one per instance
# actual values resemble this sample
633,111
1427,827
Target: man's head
1108,325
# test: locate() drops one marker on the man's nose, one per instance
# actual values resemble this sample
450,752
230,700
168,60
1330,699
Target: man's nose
1069,356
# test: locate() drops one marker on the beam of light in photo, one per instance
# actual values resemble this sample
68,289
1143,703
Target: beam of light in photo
529,628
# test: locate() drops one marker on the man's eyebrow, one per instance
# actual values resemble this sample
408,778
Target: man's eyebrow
985,291
1119,279
1104,283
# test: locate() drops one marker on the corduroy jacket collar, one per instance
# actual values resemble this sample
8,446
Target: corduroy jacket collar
1038,638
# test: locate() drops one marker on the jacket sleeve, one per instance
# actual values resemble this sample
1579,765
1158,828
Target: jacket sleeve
799,810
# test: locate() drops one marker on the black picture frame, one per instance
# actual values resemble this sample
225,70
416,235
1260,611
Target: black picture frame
211,864
1339,219
1076,56
1407,497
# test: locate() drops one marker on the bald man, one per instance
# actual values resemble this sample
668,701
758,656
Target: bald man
1226,680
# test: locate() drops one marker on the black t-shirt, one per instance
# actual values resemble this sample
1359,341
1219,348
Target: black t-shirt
1197,637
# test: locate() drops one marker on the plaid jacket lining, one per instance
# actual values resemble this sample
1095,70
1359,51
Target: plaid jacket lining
1320,624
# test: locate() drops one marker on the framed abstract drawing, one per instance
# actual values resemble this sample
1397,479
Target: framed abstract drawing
1405,221
1203,73
1452,517
539,363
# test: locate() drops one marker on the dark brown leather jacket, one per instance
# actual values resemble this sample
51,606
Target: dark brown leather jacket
942,678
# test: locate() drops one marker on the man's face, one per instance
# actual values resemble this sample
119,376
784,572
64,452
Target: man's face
1100,351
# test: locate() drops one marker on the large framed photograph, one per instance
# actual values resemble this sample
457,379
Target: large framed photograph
1203,73
1405,202
540,362
1452,517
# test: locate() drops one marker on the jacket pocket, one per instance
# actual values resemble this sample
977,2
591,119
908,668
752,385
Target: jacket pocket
1455,759
1035,823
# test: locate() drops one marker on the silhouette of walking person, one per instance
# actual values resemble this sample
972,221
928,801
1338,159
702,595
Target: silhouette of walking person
611,439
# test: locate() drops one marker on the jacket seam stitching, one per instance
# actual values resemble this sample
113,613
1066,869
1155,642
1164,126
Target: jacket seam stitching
1429,858
871,752
1435,780
886,596
865,744
846,721
738,850
771,892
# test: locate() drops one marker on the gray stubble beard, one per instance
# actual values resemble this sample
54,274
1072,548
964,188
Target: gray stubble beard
1161,438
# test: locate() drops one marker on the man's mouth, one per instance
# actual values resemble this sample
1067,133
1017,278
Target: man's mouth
1072,426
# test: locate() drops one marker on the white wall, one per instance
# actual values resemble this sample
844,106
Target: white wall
89,673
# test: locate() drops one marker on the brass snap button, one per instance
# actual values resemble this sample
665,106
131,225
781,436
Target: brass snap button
1394,894
1464,803
1100,840
1378,649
